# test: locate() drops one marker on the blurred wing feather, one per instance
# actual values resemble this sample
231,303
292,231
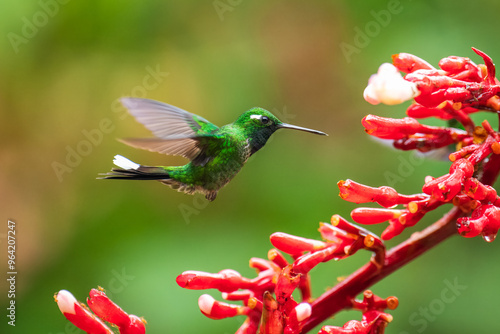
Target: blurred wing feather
185,147
167,121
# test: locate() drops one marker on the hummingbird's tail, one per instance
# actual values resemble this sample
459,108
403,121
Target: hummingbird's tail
133,171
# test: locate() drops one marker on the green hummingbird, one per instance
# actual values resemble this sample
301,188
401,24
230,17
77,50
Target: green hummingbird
216,154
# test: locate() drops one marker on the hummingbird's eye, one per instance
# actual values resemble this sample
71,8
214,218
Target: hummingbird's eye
264,119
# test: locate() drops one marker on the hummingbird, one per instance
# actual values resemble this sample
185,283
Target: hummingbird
216,154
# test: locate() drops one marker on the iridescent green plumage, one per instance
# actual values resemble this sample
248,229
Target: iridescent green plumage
216,154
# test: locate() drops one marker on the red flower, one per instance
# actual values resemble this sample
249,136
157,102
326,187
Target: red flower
281,313
374,319
457,89
104,309
485,220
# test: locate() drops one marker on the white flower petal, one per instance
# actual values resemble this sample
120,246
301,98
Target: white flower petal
206,302
66,302
303,311
389,87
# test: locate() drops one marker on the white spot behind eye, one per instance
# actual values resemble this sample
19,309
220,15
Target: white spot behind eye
256,116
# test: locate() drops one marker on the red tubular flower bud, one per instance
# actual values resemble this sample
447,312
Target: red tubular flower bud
417,209
453,64
478,191
463,152
371,301
306,262
343,234
224,281
376,320
482,152
395,228
355,234
298,315
105,309
431,98
261,264
369,216
495,147
419,111
485,220
217,310
465,203
494,103
489,66
489,129
385,196
243,295
373,243
458,94
426,143
461,68
277,258
136,326
411,219
286,284
462,166
79,315
408,63
255,304
294,245
472,73
446,187
350,327
272,319
391,128
431,81
340,228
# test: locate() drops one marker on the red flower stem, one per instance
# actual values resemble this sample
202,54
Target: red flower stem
340,297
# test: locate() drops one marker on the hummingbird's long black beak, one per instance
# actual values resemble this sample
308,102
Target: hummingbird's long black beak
294,127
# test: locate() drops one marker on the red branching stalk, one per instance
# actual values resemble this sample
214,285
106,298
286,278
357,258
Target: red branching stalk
340,296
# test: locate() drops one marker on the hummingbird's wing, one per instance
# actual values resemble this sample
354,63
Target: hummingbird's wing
178,132
167,121
185,147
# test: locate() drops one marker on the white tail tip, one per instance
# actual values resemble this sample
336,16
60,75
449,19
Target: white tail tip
125,163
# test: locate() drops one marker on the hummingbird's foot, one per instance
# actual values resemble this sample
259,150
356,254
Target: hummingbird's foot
211,195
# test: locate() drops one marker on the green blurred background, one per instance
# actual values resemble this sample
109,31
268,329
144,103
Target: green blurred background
63,65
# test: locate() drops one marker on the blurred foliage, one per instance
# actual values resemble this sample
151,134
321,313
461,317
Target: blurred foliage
76,232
